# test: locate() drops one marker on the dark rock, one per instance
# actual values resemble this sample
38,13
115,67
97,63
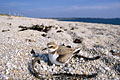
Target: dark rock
74,76
46,29
32,51
63,45
5,30
37,27
112,51
72,28
65,29
68,46
56,27
78,40
112,44
59,31
48,37
9,24
44,35
23,28
30,40
41,28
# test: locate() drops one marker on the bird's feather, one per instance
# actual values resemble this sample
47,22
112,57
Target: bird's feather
64,53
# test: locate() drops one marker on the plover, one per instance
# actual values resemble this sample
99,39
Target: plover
60,54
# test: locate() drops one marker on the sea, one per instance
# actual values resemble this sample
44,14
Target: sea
114,21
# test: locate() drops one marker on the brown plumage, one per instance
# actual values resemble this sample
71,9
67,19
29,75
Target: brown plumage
59,54
64,53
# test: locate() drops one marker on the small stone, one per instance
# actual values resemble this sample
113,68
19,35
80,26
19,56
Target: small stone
65,29
10,24
68,46
59,31
30,40
32,51
44,35
81,59
78,40
63,45
56,27
72,28
112,51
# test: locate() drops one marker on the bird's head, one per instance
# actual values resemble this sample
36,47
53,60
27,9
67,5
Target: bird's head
52,47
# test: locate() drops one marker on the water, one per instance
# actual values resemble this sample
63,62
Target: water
114,21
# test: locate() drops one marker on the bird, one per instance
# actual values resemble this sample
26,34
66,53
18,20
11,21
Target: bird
60,55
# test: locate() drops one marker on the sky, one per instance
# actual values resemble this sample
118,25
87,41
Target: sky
61,8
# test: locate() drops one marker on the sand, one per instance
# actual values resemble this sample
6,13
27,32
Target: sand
96,39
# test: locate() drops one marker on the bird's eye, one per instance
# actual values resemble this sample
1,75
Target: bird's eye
50,46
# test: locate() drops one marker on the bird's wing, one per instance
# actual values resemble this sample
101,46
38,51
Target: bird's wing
64,53
62,50
64,58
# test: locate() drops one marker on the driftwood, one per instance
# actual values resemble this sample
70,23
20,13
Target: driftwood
86,58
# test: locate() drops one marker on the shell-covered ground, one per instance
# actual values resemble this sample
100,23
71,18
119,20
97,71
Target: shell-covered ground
19,35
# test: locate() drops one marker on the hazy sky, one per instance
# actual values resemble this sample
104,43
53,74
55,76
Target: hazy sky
62,8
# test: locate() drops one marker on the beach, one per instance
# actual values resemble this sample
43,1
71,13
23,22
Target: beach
19,35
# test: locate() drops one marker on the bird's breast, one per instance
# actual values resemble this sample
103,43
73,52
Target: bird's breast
53,57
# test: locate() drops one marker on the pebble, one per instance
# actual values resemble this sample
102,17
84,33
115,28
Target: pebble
113,51
78,40
59,31
44,35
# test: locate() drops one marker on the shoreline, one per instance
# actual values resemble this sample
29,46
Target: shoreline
111,21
